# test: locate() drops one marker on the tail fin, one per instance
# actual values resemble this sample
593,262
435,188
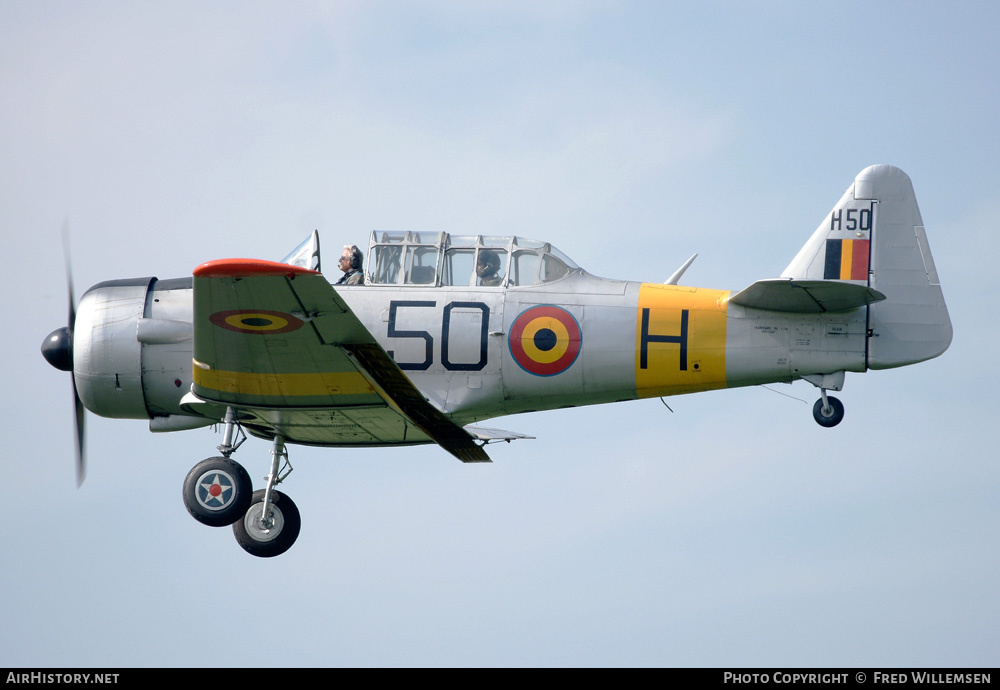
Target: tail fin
874,236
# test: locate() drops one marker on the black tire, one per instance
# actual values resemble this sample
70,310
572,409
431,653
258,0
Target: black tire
217,492
836,412
274,541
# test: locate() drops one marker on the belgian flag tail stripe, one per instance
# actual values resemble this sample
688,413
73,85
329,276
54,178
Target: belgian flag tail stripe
846,260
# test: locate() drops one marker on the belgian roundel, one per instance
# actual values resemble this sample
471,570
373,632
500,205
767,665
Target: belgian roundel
545,340
256,321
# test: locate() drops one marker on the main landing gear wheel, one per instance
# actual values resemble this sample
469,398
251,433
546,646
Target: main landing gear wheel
217,492
830,414
271,535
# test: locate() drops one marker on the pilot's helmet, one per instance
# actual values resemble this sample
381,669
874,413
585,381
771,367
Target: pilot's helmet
357,257
490,260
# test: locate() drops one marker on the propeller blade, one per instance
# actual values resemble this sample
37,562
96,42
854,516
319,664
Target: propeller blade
71,322
79,409
81,459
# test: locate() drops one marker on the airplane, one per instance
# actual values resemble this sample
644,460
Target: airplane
450,330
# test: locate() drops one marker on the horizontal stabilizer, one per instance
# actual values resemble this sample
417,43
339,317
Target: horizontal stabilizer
805,296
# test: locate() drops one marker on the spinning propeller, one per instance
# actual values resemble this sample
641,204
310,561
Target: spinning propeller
57,348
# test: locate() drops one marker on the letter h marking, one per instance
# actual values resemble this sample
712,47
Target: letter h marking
645,338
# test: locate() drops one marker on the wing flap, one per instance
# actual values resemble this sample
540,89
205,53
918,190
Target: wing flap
487,434
806,296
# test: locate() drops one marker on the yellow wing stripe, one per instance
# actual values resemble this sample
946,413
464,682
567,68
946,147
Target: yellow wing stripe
287,385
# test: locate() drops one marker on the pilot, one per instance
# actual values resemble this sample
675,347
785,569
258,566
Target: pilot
487,267
350,264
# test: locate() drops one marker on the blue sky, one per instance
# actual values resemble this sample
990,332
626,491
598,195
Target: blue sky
731,532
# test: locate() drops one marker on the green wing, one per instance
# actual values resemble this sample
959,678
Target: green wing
278,343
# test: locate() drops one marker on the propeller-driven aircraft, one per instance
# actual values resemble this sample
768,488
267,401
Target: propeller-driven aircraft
448,331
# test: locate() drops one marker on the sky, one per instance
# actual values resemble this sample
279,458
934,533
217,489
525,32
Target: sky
731,531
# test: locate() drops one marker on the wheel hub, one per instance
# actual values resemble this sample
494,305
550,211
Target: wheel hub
262,528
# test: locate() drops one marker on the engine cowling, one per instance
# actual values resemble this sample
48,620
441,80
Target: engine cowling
132,347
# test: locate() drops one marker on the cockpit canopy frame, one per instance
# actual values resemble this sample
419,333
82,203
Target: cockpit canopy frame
439,258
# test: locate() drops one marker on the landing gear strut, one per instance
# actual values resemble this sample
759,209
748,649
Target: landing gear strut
218,492
271,525
828,411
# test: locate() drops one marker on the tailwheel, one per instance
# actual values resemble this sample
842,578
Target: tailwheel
272,533
828,411
217,492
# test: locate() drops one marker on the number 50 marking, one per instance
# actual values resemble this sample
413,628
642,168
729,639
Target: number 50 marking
428,339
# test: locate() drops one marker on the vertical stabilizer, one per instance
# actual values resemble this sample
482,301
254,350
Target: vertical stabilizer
875,236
